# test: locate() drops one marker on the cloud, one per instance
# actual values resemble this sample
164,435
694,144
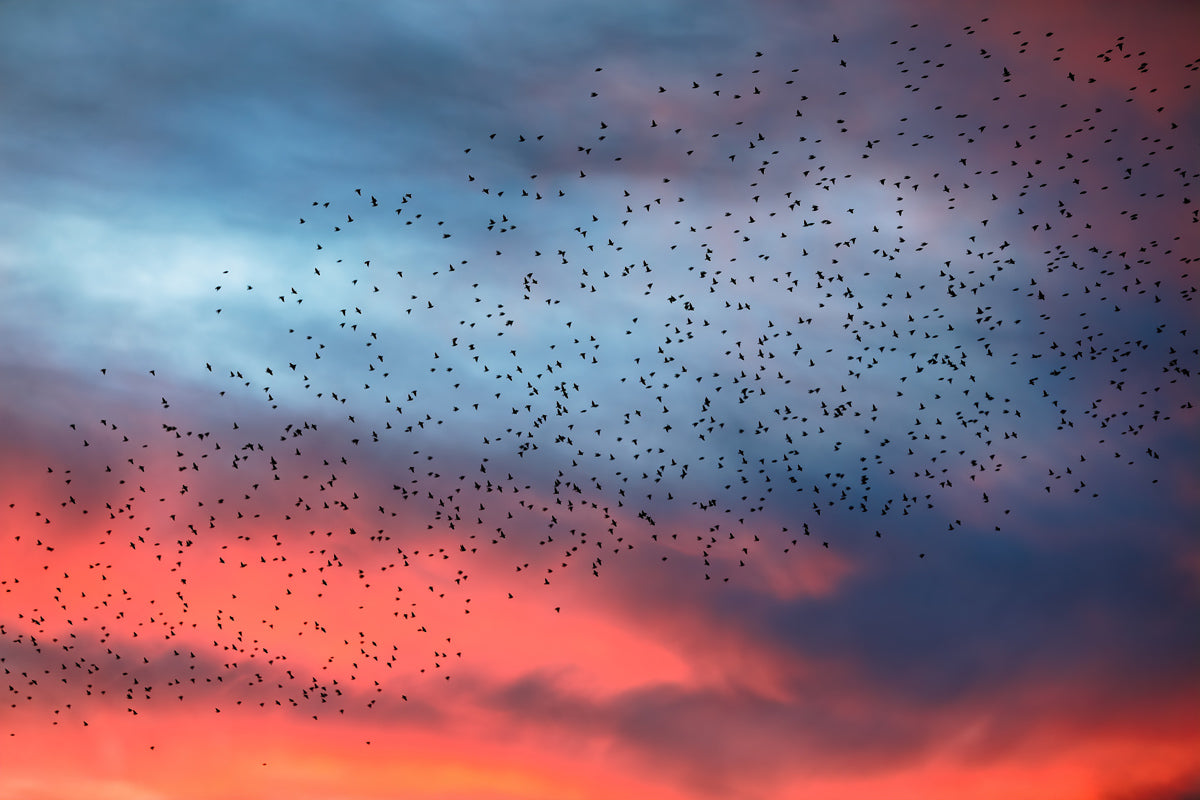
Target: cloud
624,494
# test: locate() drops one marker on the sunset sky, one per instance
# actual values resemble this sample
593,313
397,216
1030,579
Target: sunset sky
669,400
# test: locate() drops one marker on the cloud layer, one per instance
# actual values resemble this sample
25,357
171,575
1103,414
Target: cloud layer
488,401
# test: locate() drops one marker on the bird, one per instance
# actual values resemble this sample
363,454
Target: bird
724,327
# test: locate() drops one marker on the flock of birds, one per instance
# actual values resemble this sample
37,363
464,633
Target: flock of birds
713,318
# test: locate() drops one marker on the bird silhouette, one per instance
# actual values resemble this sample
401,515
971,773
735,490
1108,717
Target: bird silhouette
684,328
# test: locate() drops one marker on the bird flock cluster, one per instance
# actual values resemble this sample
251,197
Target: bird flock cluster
704,318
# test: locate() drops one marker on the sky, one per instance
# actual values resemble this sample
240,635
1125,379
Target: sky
676,400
